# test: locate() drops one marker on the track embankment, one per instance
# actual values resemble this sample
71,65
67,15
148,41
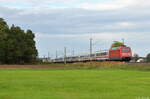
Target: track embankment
30,66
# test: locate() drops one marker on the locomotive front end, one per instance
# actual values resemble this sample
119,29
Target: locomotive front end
126,53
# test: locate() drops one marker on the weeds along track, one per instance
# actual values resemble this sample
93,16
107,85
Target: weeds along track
75,65
139,64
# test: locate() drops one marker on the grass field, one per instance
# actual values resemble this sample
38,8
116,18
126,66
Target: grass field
74,84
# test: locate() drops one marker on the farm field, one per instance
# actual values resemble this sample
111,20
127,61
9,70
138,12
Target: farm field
74,84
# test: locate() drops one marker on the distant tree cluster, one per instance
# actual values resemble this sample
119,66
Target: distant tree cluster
16,45
148,57
117,44
136,57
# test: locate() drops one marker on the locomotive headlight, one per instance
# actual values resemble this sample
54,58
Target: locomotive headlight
126,54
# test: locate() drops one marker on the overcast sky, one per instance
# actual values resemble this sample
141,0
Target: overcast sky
70,23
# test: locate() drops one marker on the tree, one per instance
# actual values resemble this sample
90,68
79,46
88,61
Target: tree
4,30
30,53
135,57
16,45
117,44
148,57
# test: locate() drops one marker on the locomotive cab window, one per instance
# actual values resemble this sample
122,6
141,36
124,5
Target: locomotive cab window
125,49
115,48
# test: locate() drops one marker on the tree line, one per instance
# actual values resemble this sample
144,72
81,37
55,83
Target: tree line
16,45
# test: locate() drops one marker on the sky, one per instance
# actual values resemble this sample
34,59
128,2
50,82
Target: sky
71,23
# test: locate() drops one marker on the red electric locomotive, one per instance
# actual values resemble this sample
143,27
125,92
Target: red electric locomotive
122,53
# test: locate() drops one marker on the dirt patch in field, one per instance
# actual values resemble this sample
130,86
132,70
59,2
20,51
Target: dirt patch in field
29,66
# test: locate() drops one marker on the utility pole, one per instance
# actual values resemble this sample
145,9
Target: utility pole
48,59
73,52
56,54
90,47
65,55
48,55
123,41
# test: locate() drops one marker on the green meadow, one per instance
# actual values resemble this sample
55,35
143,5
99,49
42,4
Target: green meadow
74,84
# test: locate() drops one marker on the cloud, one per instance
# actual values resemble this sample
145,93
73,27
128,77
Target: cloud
103,41
88,4
59,25
60,21
35,0
116,4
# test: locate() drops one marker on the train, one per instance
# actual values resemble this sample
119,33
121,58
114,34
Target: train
121,53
